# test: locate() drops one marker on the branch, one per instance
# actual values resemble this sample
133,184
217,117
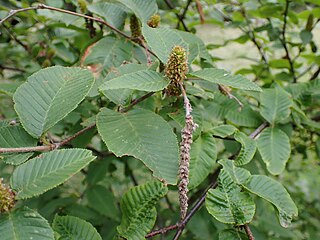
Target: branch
180,17
284,41
11,68
248,231
315,75
200,10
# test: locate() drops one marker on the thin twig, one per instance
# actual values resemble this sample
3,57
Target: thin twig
136,101
180,18
248,231
11,68
200,11
315,75
162,230
256,132
284,41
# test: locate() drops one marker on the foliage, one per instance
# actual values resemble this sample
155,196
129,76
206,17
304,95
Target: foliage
96,96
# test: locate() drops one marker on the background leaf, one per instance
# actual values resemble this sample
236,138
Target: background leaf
141,8
220,76
39,101
48,170
138,209
69,227
162,40
102,200
275,105
111,12
121,96
15,137
203,157
24,223
274,147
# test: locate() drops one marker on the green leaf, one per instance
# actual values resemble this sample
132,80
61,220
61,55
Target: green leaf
138,209
223,131
121,96
9,87
203,157
48,170
275,193
141,8
107,53
144,135
266,188
49,95
24,223
196,47
161,41
111,12
15,137
220,76
306,36
274,147
102,200
144,80
238,175
275,105
232,234
246,117
228,204
248,149
74,228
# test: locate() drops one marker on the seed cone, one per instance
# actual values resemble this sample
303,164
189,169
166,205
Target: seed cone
6,197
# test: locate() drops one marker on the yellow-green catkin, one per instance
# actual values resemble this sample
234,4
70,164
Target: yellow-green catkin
177,66
176,70
154,21
135,28
6,197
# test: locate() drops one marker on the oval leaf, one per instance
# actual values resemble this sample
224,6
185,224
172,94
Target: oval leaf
275,193
248,149
102,200
203,157
142,8
228,204
274,147
24,223
144,80
144,135
138,209
49,95
69,227
15,137
162,40
275,105
220,76
48,170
